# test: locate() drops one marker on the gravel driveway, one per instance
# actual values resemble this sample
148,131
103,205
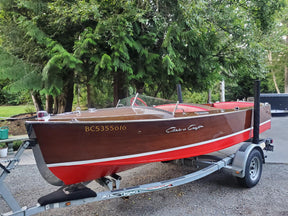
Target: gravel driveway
217,194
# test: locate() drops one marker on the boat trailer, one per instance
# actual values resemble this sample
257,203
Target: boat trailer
245,164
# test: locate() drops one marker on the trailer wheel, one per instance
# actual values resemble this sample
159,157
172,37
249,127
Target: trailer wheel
253,169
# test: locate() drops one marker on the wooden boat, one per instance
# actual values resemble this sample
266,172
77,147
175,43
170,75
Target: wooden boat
84,145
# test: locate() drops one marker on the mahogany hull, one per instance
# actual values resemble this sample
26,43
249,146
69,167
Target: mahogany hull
81,151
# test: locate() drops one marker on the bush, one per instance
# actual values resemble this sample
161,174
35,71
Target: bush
16,145
3,145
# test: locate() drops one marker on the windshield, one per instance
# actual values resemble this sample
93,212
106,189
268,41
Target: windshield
143,100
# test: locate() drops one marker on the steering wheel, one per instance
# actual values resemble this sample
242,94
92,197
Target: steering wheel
137,99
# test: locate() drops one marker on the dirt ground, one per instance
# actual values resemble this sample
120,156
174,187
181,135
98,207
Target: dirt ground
16,123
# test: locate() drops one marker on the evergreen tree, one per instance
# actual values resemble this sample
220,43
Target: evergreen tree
145,45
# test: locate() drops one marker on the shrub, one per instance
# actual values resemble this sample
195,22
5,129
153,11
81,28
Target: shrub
16,145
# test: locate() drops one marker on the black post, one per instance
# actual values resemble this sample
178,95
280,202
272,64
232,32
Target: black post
179,93
256,112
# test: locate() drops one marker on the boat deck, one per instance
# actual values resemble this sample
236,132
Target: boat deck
165,111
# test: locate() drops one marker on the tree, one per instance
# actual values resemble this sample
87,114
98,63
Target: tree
48,59
276,44
144,46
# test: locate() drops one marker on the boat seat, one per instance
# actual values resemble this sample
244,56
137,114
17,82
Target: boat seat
181,108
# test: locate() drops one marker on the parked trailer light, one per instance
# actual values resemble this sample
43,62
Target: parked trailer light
268,144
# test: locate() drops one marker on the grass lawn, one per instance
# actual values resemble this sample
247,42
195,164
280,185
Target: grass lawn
7,111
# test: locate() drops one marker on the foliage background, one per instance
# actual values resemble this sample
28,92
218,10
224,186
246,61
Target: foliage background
92,52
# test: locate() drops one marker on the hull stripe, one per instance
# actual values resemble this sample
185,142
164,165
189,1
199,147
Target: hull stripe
150,153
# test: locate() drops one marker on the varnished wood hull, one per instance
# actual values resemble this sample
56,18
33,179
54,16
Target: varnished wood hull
81,151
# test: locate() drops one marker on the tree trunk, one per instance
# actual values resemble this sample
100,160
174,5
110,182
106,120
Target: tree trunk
286,80
273,73
222,91
90,96
275,82
139,87
69,94
49,103
55,109
78,95
120,87
64,101
209,99
37,101
61,103
286,73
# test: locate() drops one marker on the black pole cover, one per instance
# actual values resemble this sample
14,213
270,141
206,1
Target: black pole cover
179,93
256,118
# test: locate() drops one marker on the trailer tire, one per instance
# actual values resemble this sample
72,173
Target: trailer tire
253,169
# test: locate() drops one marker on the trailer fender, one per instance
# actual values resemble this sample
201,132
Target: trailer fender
241,156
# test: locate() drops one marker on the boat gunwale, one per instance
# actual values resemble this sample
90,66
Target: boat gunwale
76,121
